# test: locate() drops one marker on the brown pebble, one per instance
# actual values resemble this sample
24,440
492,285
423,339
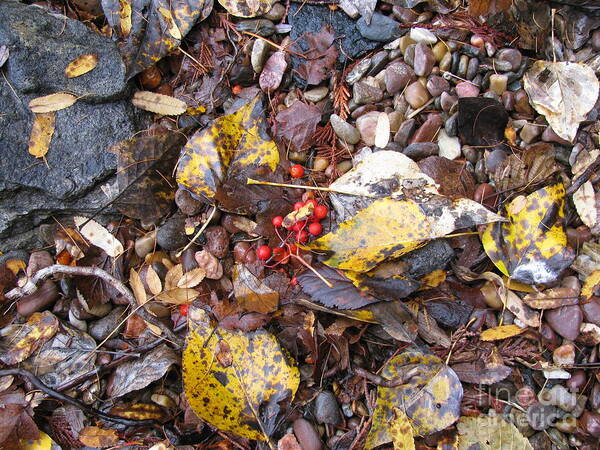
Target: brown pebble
565,320
577,381
240,251
37,261
217,241
188,204
577,236
486,195
151,78
46,295
307,436
590,422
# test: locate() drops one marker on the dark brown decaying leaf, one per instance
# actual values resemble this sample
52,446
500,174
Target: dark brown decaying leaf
452,177
144,175
320,47
343,295
137,374
15,419
480,373
485,7
481,121
272,73
297,124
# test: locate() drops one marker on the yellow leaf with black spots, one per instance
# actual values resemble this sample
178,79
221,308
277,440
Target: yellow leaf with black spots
401,431
532,246
589,285
19,342
229,375
42,131
430,399
232,143
247,8
81,65
391,227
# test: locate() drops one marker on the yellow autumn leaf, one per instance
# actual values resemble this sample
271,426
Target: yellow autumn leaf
42,131
247,8
158,103
500,332
52,102
430,399
401,431
391,227
490,433
171,25
44,442
532,246
18,342
81,65
592,280
98,437
125,17
228,375
232,142
135,282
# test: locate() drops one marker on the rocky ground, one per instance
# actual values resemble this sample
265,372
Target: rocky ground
427,100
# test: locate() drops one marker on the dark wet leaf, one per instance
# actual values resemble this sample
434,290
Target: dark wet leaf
484,7
94,290
480,373
152,28
449,313
343,295
15,419
144,175
453,178
297,124
134,375
323,56
481,121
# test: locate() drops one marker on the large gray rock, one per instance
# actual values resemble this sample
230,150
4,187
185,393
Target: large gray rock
77,162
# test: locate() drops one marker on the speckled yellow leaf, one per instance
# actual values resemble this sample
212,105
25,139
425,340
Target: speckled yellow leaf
125,17
228,375
232,142
532,246
81,65
18,342
490,433
45,442
52,102
589,284
501,332
247,8
392,227
401,431
172,26
158,103
431,399
42,131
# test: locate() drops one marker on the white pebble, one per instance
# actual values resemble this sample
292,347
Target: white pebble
449,146
423,35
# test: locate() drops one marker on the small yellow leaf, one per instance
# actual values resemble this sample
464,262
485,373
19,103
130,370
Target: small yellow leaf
532,246
20,342
158,103
298,215
125,17
192,278
501,332
514,285
45,442
153,281
137,287
592,280
15,265
82,65
433,279
52,102
41,134
98,437
99,236
229,375
401,431
247,8
490,433
172,26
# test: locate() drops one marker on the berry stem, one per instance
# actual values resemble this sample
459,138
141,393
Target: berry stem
311,268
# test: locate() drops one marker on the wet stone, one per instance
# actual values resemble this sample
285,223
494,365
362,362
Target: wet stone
466,89
358,71
429,129
565,321
416,95
307,436
379,60
472,68
423,60
423,35
409,55
344,130
549,135
366,125
317,94
498,83
451,125
326,409
448,102
397,76
530,132
446,62
463,63
420,150
510,55
404,42
381,29
522,103
436,85
405,131
260,49
108,325
363,93
449,146
541,417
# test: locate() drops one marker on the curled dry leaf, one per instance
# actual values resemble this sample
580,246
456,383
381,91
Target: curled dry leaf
552,298
247,8
584,199
192,278
251,293
52,102
532,246
431,399
490,433
21,341
501,332
81,65
135,282
158,103
298,215
229,396
564,92
99,236
42,131
153,281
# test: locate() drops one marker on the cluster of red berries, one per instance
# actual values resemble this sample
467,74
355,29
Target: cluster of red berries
298,232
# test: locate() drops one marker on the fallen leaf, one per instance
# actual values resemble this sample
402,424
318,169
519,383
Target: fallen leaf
229,398
524,313
453,178
153,281
247,8
431,399
158,103
192,278
135,282
251,293
501,332
584,199
552,298
42,131
99,236
139,373
231,143
489,433
481,121
44,442
272,74
52,102
589,285
19,342
81,65
532,246
486,7
178,296
298,215
401,431
430,331
374,234
98,437
297,124
139,411
480,373
564,92
322,54
152,28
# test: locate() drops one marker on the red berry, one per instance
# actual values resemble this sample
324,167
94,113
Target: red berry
183,310
315,228
302,236
294,281
277,221
313,202
299,225
263,252
320,212
297,171
293,249
298,205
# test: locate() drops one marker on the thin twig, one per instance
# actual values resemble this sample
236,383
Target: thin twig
31,286
199,232
384,382
65,398
585,175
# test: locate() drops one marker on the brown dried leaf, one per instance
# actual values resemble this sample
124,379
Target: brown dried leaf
479,373
153,281
81,65
192,278
135,282
324,56
178,296
485,7
584,199
98,437
173,276
158,103
297,124
552,298
52,102
42,131
251,293
452,177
